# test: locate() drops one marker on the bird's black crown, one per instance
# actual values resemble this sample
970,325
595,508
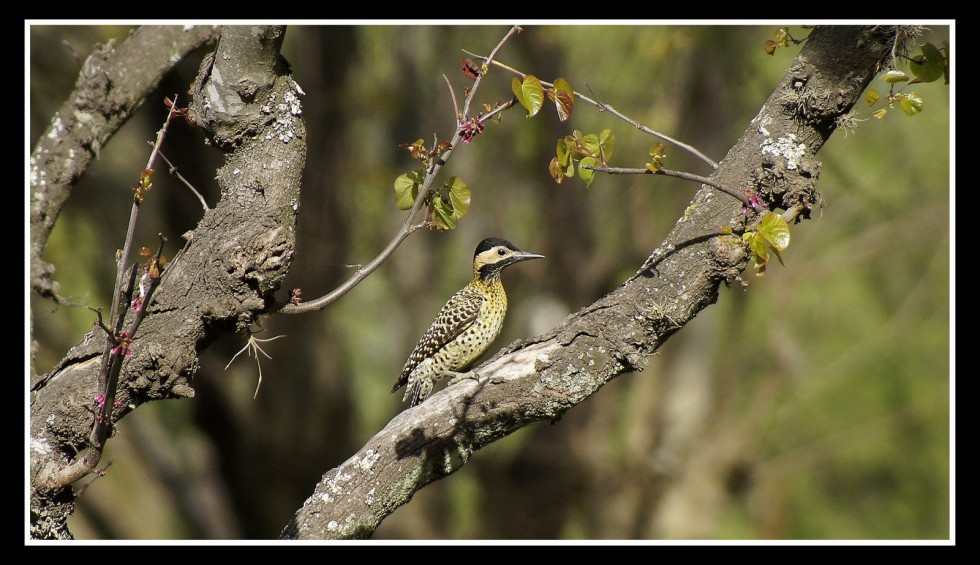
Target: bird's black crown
491,242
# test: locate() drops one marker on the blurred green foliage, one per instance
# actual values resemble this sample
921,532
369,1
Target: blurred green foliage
813,405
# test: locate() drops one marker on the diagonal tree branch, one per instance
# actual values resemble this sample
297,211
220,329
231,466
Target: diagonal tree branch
541,378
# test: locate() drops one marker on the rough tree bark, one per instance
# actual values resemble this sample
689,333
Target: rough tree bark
541,378
231,265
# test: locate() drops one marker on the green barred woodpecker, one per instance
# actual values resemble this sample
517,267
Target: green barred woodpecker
465,326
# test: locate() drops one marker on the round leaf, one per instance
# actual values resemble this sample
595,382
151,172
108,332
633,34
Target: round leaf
911,103
564,98
607,142
587,174
590,143
529,93
459,196
406,190
442,217
893,76
774,229
562,153
872,96
758,246
930,65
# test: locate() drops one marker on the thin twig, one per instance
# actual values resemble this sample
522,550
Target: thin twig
670,173
603,107
452,93
410,225
116,350
134,212
173,171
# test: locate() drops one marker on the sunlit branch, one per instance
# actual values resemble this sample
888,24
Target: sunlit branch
603,107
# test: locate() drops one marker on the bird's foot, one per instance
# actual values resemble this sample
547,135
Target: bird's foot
459,377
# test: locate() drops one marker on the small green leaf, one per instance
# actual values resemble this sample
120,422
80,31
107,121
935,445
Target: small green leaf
928,66
757,245
911,103
607,142
459,196
407,189
529,93
872,96
894,75
880,113
442,217
725,230
759,253
590,145
564,98
587,174
774,229
562,152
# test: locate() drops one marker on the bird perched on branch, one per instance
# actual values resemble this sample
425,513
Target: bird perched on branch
465,326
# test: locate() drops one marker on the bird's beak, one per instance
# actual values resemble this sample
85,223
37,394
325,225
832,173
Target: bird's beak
524,256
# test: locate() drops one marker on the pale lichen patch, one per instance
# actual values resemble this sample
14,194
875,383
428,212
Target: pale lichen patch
788,147
285,112
367,462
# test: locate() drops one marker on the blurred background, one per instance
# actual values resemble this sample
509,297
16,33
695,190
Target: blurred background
813,404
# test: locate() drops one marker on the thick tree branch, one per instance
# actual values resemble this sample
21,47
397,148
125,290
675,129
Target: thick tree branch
112,84
542,378
226,276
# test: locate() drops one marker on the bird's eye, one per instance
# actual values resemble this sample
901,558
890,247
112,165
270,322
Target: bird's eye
501,251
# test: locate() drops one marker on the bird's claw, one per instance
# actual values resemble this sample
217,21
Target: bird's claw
460,377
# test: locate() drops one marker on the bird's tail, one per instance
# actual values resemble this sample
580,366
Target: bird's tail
417,391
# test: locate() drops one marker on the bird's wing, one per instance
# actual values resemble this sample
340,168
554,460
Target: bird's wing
462,310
